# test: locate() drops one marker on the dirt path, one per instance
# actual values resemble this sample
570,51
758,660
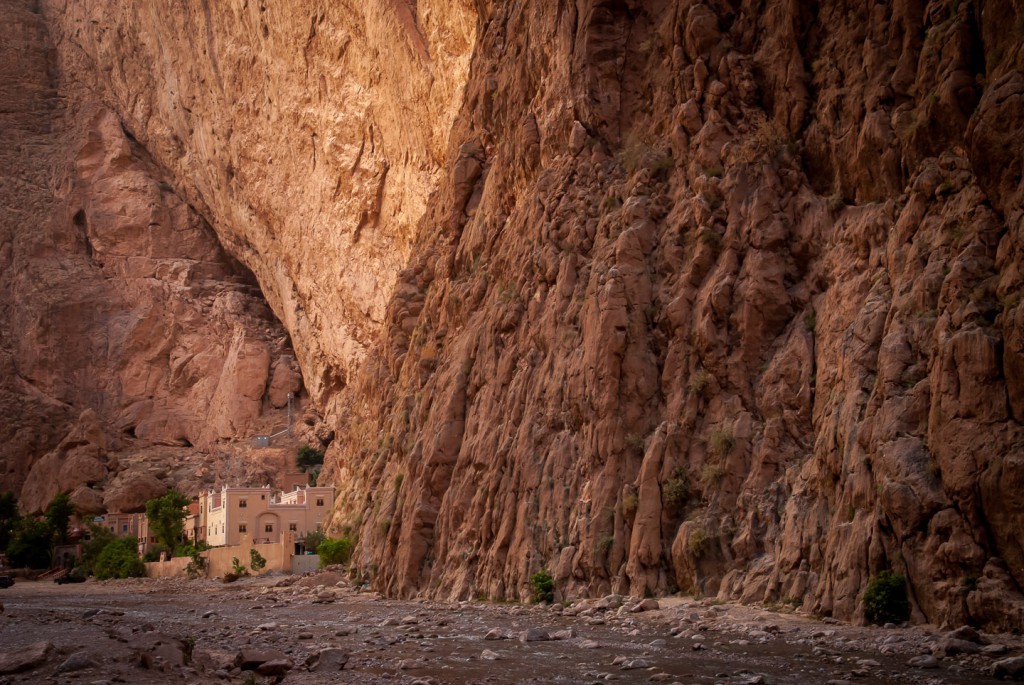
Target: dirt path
147,631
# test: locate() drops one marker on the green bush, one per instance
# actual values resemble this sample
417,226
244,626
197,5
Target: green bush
198,566
675,491
30,545
885,600
256,561
309,457
119,559
313,539
9,518
543,586
99,538
334,551
153,554
237,568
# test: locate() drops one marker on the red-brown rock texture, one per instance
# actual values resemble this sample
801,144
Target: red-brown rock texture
125,324
713,296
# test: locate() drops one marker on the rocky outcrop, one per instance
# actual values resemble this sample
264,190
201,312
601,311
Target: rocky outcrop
708,296
125,324
715,299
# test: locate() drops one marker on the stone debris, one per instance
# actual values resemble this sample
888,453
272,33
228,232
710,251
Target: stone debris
250,659
534,635
1011,668
327,660
24,658
79,661
924,661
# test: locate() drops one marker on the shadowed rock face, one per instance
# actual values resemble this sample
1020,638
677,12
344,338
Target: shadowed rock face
687,295
125,324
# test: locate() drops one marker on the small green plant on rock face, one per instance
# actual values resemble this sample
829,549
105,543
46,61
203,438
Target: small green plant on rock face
885,599
698,543
543,586
710,475
629,504
674,491
721,441
699,381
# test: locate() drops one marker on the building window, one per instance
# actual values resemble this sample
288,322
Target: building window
319,501
293,527
241,503
124,527
263,496
241,528
269,528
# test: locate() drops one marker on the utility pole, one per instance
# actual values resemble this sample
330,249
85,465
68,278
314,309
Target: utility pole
291,395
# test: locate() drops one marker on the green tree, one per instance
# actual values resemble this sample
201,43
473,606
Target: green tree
120,559
885,599
99,537
543,586
58,516
313,539
9,518
30,545
334,551
166,516
309,457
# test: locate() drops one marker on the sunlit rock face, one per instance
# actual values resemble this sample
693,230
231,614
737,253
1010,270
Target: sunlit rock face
709,297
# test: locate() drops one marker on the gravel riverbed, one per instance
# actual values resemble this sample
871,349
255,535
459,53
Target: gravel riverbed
319,629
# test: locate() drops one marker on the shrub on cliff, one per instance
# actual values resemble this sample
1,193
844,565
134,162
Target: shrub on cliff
885,600
308,457
334,551
119,559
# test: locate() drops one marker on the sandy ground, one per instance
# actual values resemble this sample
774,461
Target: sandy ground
178,631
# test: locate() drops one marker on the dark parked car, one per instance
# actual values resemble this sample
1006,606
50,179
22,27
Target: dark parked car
69,578
6,581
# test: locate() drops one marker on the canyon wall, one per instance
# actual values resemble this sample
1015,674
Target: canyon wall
721,297
718,297
132,344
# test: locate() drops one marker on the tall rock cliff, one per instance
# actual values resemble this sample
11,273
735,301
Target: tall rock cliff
714,296
131,343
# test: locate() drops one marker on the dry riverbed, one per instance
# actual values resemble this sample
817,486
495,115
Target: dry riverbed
318,629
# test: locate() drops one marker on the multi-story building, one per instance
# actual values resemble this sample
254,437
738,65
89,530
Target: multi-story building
129,525
225,516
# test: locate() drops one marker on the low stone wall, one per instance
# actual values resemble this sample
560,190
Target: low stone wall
279,556
172,568
305,563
